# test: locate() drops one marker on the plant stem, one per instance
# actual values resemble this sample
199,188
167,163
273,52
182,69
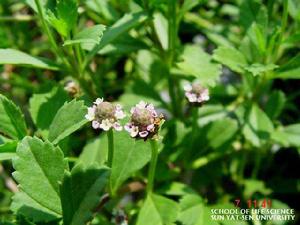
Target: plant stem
152,167
172,37
284,21
58,52
110,138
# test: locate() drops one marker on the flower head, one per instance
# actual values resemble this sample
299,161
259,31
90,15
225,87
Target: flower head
105,115
144,122
72,88
195,93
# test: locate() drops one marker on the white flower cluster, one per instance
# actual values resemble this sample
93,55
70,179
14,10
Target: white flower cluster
144,121
105,115
195,93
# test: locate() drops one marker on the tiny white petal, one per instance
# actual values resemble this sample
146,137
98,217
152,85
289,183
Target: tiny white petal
143,134
150,127
128,127
205,95
191,97
117,127
154,113
134,131
187,87
141,105
91,114
98,101
132,110
150,107
95,124
119,107
105,125
119,114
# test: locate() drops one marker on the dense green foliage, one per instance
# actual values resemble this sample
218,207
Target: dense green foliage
58,56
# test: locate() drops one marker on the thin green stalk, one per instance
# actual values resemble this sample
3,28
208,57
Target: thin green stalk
56,49
110,138
152,167
257,162
172,37
284,21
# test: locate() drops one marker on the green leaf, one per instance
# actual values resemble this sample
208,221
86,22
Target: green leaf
122,26
130,155
12,121
197,63
158,210
258,69
104,8
216,139
39,169
124,44
187,6
94,152
176,189
193,211
253,186
290,70
7,150
65,16
161,29
45,4
288,136
81,192
230,57
88,35
69,118
43,107
275,104
229,206
23,204
257,127
16,57
294,9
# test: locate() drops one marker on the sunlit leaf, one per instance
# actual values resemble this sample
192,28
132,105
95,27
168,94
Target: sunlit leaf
12,121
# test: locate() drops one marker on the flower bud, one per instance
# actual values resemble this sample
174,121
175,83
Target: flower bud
195,93
144,122
72,88
105,115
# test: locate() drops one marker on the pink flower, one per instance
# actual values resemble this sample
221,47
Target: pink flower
104,115
195,93
144,122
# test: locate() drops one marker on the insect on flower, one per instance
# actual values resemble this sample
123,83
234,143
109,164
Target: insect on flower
195,93
144,122
104,115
